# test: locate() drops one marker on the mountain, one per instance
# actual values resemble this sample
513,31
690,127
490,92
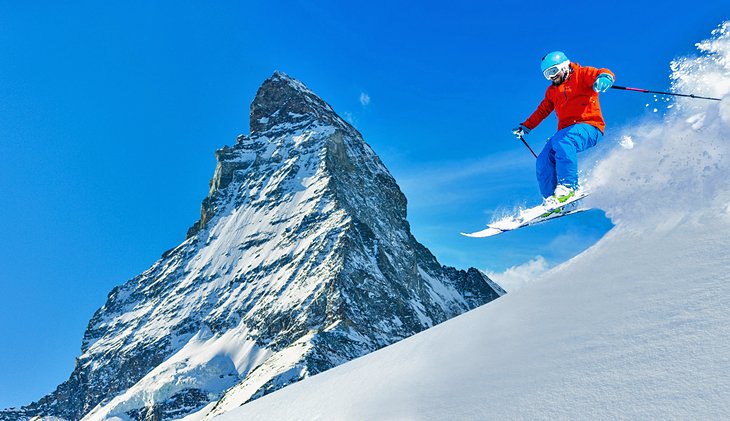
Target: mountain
302,260
636,327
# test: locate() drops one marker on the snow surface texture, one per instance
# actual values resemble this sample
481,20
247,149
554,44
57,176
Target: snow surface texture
636,327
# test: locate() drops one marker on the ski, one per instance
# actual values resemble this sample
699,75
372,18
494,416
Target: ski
532,216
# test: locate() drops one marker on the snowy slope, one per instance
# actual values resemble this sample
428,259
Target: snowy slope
637,327
615,333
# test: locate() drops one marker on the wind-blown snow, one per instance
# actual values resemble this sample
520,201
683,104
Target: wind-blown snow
678,168
636,327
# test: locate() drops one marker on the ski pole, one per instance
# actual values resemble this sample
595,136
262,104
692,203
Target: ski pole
646,91
528,146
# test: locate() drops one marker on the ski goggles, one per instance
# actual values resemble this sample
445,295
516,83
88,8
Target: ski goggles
551,71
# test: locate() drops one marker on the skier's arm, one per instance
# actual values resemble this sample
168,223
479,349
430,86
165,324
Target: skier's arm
600,79
543,110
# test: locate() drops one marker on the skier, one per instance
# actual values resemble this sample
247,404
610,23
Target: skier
573,95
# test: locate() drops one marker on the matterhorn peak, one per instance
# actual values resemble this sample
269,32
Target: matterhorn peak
302,260
284,103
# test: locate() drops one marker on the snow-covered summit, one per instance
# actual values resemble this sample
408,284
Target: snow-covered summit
302,259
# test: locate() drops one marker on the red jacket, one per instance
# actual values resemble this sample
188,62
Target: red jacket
574,101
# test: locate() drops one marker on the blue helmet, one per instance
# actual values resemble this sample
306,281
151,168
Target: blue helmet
555,61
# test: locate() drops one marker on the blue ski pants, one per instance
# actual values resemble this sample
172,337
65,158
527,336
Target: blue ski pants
557,163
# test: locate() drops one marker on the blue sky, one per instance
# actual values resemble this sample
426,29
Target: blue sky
110,114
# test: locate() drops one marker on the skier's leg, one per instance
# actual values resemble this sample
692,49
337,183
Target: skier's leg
566,144
545,170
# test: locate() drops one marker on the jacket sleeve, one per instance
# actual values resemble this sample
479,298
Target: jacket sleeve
543,110
591,73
